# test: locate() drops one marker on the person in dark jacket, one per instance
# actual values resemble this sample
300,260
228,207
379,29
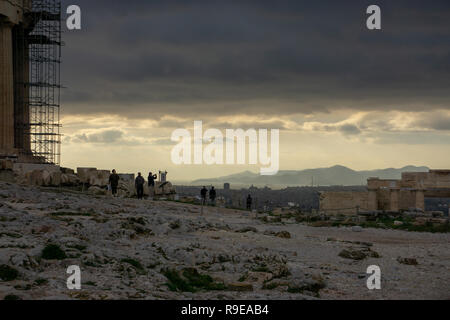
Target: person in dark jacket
140,186
151,183
151,179
212,195
114,182
203,193
249,202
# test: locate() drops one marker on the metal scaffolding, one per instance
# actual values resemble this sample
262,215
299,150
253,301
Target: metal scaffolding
44,44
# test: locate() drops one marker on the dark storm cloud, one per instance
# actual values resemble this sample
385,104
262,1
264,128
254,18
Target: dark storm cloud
349,129
191,58
435,122
345,129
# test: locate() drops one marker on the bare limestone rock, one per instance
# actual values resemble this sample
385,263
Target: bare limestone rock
407,261
123,245
283,234
67,171
97,191
240,286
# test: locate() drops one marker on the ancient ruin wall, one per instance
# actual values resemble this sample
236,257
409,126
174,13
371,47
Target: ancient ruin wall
426,180
346,202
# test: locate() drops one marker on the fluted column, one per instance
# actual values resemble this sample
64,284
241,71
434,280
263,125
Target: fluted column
394,199
420,199
6,89
21,91
372,200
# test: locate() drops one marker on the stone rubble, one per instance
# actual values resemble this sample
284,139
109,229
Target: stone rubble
93,180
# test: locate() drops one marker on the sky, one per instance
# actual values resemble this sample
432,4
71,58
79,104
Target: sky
338,92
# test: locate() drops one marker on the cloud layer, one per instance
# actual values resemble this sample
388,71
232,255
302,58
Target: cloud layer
339,93
209,58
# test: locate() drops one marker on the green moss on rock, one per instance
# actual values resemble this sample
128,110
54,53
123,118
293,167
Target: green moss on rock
53,252
8,273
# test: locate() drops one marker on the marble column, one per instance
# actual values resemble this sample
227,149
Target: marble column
372,200
420,199
394,199
6,90
21,90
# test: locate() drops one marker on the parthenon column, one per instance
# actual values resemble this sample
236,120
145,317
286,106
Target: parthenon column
6,89
394,198
372,200
21,91
420,199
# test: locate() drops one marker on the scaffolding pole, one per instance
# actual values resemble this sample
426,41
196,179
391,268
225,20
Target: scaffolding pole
44,43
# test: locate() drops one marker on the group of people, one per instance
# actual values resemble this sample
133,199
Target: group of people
140,181
212,195
114,179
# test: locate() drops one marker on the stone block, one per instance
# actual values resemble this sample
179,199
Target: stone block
97,191
55,179
33,178
84,174
99,178
67,171
129,177
69,179
46,178
344,202
6,165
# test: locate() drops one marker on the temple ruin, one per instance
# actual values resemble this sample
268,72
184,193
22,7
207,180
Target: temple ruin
408,193
30,41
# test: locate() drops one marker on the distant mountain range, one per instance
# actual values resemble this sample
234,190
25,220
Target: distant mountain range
334,176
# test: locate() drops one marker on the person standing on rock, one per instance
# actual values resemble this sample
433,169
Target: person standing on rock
114,182
151,183
140,186
212,196
151,179
249,202
203,193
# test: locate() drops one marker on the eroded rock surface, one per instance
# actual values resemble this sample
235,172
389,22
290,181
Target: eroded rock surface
130,249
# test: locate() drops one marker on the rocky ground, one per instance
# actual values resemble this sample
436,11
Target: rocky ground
130,249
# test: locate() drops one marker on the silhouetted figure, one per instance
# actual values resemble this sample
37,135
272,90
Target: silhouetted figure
114,182
203,193
212,195
249,202
151,179
140,186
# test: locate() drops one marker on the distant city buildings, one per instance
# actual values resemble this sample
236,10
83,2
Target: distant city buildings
265,199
